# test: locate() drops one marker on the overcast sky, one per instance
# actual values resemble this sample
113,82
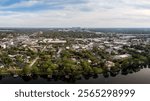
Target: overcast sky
75,13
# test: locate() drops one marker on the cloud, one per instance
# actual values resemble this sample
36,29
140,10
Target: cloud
69,13
22,3
42,4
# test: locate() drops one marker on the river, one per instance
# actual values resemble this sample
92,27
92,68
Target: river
140,77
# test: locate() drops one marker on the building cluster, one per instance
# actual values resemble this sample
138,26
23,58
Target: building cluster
111,43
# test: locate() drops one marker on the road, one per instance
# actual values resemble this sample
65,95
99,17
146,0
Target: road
34,61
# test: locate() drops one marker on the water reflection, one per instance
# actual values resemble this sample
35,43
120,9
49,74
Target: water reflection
126,75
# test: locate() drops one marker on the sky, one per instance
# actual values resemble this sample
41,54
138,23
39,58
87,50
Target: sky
75,13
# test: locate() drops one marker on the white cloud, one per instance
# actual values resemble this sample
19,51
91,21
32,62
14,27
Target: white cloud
94,13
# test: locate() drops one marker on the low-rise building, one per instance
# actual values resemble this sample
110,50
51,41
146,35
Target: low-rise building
117,57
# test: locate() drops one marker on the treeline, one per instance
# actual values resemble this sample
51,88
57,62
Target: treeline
70,34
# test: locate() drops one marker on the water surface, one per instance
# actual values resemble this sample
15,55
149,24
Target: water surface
140,77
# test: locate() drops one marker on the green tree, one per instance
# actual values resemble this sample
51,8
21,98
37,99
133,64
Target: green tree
26,70
49,71
97,70
86,67
35,70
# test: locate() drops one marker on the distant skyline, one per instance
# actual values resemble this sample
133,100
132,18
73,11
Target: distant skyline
75,13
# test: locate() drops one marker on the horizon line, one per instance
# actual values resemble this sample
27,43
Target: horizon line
69,27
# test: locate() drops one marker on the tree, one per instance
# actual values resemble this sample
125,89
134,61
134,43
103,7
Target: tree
49,71
26,70
86,67
97,70
35,70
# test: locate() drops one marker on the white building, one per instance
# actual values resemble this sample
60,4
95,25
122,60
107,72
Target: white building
117,57
3,46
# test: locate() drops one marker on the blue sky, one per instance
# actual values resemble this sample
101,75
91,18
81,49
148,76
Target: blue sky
37,5
72,13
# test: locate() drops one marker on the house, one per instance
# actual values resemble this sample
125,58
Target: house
1,65
3,46
109,64
118,57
